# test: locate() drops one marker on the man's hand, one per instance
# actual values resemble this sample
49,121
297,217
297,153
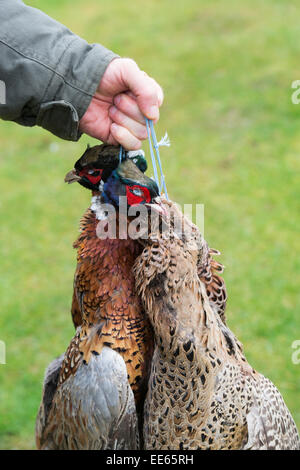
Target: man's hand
116,112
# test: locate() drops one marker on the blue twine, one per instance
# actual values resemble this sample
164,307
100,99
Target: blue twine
155,143
151,152
151,135
121,154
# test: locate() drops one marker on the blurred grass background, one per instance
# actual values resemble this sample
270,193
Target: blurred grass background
226,68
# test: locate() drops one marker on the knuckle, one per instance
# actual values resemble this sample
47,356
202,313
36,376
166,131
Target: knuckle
123,101
149,88
128,62
119,117
160,96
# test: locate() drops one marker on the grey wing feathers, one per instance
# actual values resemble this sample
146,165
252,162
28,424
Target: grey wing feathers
270,424
49,389
94,409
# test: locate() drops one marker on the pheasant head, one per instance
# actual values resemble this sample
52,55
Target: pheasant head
96,164
128,181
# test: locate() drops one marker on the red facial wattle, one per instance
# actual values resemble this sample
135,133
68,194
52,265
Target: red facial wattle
94,178
134,199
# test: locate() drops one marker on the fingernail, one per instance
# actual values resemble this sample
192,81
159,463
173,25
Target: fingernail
153,112
117,99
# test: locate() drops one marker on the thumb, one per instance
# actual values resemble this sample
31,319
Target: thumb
148,93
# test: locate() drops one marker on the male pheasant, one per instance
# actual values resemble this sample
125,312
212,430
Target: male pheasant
93,395
202,393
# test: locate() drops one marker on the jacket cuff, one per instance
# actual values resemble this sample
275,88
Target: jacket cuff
71,88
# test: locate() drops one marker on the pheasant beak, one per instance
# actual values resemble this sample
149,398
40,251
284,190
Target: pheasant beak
157,207
72,177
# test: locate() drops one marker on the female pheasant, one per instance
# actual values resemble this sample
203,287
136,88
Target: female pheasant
93,394
202,393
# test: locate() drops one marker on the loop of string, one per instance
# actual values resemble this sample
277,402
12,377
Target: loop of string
121,154
152,153
153,140
164,141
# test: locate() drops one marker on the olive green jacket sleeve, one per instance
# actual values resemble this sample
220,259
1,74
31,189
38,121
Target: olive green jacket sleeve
48,75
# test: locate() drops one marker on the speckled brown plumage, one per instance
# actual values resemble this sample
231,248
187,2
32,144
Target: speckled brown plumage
209,271
202,392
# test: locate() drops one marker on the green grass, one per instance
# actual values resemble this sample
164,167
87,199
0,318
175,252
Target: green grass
226,68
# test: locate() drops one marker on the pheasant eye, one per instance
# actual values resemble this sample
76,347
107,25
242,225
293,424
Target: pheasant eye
94,173
94,176
138,192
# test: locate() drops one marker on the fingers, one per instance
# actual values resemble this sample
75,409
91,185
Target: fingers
134,127
160,94
124,137
127,104
130,121
148,93
124,97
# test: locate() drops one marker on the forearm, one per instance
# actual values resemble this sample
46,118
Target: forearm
50,74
